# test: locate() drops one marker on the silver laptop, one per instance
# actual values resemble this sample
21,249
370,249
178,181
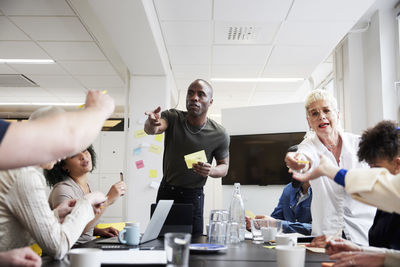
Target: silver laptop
153,228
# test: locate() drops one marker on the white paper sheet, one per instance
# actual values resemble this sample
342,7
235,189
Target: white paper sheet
134,256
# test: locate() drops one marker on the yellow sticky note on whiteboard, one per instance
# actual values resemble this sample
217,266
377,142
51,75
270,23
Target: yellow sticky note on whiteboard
155,149
158,137
199,156
140,133
153,173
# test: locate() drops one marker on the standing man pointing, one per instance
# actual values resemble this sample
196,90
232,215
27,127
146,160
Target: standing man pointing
186,133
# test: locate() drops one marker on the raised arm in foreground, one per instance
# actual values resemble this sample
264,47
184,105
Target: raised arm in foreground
50,138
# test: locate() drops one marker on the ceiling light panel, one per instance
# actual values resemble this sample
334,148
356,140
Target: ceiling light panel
328,10
255,10
244,33
36,8
187,32
242,55
73,50
88,67
21,50
39,69
53,28
184,9
189,55
311,33
9,31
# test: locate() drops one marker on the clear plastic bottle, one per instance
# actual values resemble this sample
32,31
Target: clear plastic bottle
236,211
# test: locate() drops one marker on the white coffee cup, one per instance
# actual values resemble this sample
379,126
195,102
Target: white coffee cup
269,233
84,257
286,240
290,256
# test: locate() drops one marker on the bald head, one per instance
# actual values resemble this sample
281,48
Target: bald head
199,98
203,84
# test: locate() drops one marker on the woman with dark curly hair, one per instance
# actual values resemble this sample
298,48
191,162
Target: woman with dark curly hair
379,147
69,179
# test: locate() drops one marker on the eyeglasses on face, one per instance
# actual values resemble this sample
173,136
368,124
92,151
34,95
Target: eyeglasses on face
315,114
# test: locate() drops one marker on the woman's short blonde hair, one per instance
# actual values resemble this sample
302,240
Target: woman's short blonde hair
320,94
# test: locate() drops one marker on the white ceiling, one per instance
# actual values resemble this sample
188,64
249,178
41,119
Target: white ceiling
50,29
284,38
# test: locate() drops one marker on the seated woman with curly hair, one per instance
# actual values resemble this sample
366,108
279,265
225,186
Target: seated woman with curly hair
69,179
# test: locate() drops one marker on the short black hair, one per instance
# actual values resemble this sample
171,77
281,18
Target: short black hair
379,142
58,174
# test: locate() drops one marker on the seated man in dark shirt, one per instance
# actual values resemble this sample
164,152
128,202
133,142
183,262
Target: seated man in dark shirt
380,147
293,208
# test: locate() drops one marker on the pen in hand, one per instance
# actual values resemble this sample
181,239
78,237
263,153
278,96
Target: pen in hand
336,236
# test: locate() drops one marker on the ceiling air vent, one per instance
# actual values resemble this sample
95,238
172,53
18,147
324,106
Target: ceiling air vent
16,80
242,33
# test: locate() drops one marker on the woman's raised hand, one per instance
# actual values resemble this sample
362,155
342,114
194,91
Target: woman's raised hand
116,190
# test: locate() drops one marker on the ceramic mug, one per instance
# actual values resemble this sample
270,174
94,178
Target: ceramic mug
84,257
130,235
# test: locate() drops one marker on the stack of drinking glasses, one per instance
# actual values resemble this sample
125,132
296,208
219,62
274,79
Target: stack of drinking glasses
218,227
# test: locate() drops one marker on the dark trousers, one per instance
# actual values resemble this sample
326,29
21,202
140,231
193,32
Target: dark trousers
194,196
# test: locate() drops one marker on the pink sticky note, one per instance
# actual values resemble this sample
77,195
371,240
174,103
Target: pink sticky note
139,164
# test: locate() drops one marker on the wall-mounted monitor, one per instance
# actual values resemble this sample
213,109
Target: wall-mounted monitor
259,159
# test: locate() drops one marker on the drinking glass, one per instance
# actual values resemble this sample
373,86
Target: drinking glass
177,249
256,225
233,233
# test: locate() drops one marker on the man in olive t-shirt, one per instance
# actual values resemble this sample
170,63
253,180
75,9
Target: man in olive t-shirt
186,133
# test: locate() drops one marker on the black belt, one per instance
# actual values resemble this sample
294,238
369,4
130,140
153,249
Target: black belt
180,188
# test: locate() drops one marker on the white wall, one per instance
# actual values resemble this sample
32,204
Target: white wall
145,93
261,120
369,73
110,151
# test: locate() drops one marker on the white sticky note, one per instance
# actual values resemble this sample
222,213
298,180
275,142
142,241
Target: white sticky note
154,185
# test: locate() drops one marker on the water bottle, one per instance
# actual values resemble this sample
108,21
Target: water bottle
236,211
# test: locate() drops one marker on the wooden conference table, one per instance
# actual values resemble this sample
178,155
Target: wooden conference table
244,254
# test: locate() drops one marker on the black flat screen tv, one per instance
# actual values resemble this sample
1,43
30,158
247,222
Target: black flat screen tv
259,159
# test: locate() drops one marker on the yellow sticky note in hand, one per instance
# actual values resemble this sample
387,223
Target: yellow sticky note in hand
199,156
250,214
